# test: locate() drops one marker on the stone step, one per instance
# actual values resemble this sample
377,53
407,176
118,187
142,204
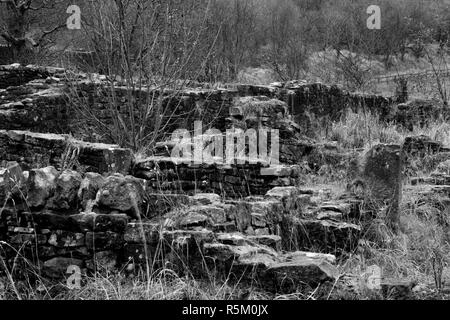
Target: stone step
328,236
274,272
273,217
279,213
246,258
51,195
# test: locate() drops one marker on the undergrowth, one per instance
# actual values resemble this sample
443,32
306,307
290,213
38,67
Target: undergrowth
360,130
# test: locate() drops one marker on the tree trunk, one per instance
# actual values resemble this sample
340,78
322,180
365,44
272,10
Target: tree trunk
17,24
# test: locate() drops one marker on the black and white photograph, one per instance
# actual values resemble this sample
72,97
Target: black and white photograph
228,156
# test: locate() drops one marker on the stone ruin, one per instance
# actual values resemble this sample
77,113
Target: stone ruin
66,201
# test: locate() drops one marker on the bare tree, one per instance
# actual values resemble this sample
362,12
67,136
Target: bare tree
29,24
289,44
149,51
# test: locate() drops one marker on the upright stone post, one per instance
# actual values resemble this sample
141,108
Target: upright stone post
382,174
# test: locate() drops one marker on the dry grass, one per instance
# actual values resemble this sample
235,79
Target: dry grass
419,253
359,130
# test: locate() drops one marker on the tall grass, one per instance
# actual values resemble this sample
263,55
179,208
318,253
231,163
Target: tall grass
358,130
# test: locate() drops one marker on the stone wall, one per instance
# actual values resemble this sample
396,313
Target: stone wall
324,103
58,219
65,202
17,75
38,99
212,106
36,150
232,181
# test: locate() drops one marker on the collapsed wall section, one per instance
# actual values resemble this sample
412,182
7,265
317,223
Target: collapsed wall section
56,101
61,219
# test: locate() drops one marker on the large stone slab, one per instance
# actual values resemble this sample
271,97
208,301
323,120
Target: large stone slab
326,236
273,271
382,174
36,150
122,193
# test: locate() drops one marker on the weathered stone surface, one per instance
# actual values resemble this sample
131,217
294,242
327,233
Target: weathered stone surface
36,150
286,195
419,146
52,221
255,213
262,231
281,171
25,238
100,222
41,186
21,230
99,157
419,112
122,193
327,236
89,187
271,241
190,237
16,74
383,168
259,220
159,204
49,251
299,269
342,207
193,220
199,215
205,198
240,215
64,239
32,150
314,255
236,239
100,241
230,181
67,186
271,270
330,215
228,252
282,192
226,227
146,232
